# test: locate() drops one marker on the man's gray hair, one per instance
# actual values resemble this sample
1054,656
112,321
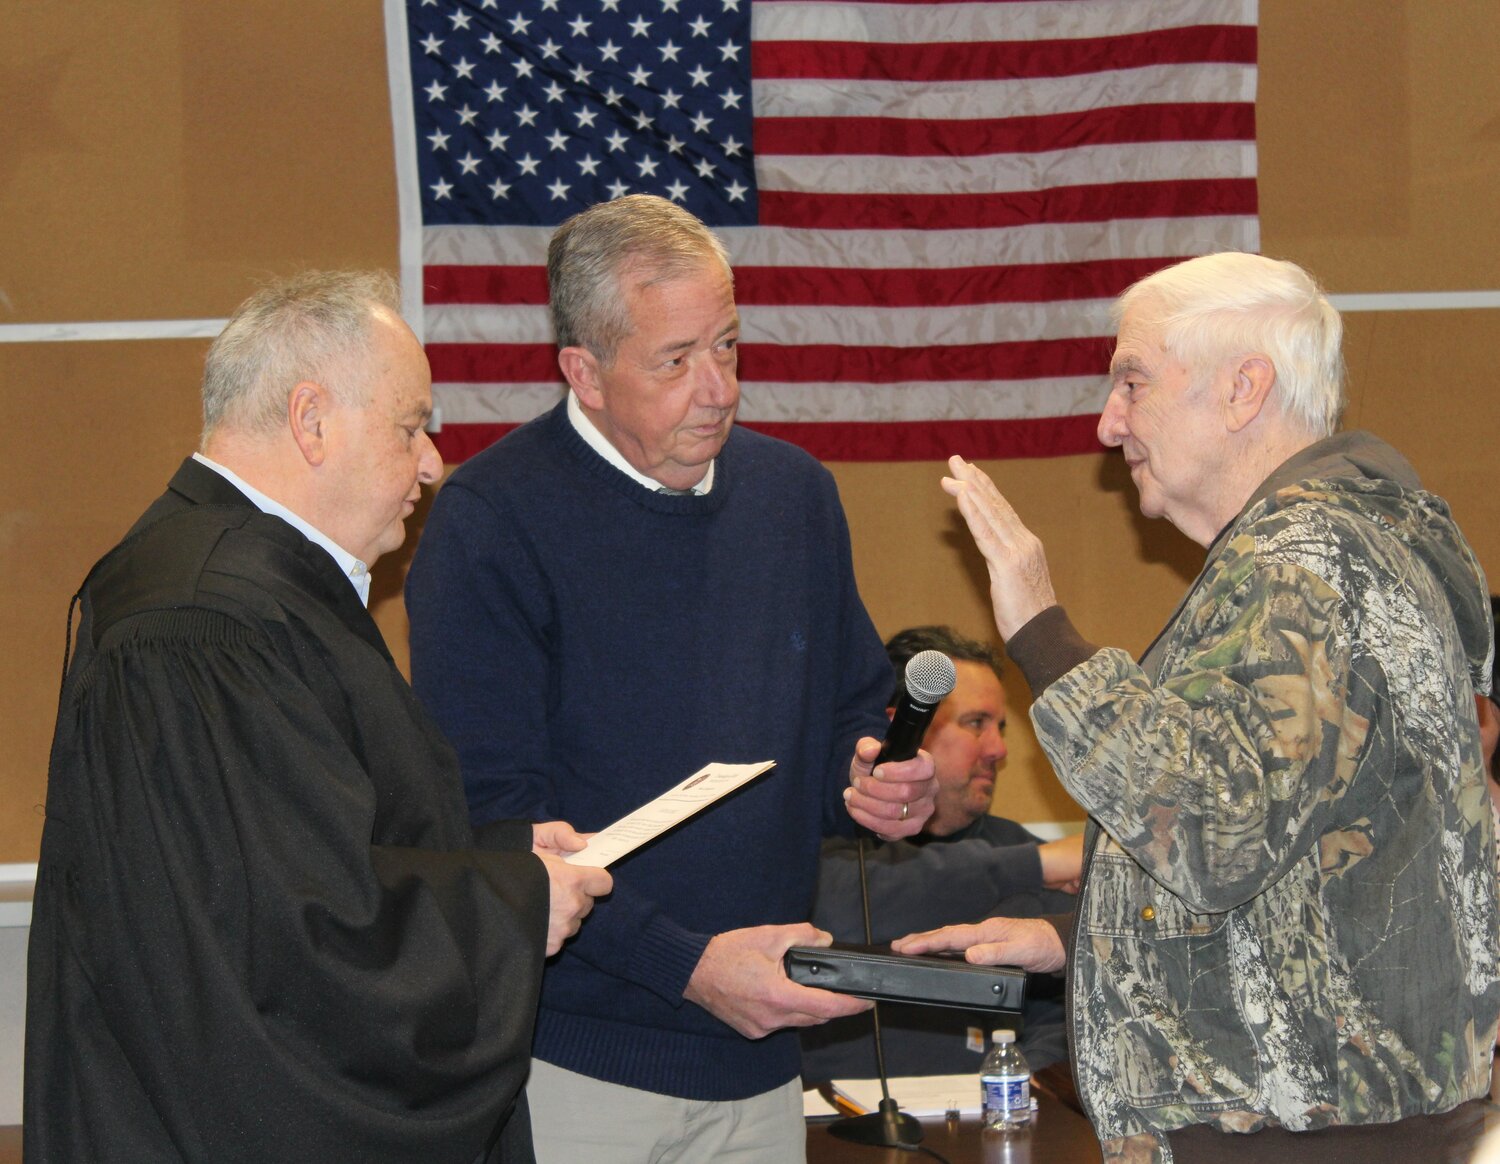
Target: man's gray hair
300,328
592,252
1216,307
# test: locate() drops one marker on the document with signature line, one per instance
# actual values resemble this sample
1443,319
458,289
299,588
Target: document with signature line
697,792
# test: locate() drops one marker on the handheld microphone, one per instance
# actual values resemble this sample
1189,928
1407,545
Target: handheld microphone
928,679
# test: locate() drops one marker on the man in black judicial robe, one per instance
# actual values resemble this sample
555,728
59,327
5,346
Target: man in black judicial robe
263,929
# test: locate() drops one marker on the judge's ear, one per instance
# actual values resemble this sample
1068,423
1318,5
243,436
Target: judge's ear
1249,389
308,408
580,367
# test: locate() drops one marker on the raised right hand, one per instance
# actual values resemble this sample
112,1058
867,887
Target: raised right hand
1020,585
1027,942
574,888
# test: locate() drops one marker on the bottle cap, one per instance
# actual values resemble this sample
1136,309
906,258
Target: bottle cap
1003,1036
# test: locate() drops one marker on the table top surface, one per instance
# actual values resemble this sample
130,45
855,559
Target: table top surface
1059,1135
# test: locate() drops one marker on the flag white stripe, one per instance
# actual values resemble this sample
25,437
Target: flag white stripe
1024,97
799,325
768,401
1004,173
1122,238
491,403
922,24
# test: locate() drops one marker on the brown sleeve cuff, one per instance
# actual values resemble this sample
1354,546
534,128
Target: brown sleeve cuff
1047,648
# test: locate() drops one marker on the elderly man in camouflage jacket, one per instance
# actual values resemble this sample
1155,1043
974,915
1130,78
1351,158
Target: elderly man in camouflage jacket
1288,920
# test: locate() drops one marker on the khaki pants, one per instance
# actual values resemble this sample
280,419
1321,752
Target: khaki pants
575,1118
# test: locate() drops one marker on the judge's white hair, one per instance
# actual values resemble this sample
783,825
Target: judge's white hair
306,327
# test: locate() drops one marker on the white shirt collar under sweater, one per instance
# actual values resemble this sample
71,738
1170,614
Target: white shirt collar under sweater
355,570
597,441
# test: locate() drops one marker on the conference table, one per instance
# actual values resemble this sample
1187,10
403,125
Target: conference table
1059,1135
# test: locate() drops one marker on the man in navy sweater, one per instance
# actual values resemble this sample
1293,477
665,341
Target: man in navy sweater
617,593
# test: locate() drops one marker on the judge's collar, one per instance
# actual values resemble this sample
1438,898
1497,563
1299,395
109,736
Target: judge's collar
352,568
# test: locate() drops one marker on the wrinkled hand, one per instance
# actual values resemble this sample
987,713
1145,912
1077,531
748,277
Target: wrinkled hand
740,980
574,888
1020,587
894,800
1062,863
1027,942
557,837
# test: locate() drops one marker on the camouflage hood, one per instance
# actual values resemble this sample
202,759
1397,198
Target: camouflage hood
1362,472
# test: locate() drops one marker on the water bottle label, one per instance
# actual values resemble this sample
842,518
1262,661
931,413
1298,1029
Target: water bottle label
1007,1095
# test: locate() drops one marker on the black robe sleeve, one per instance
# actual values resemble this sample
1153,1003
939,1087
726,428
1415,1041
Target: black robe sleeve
247,948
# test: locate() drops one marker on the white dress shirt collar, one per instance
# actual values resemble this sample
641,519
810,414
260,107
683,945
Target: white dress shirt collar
597,441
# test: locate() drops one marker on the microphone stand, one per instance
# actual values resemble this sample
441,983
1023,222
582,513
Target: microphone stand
889,1127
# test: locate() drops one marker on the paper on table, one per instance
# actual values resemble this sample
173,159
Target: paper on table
672,807
918,1095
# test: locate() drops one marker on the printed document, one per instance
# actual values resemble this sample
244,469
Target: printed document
672,807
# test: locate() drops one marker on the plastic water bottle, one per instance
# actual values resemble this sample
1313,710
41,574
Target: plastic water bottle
1005,1085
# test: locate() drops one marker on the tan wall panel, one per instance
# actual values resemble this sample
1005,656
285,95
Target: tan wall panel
99,429
156,156
1379,141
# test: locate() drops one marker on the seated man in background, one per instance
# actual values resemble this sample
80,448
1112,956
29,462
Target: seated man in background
963,866
263,929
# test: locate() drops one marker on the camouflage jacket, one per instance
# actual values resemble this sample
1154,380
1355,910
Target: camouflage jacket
1289,915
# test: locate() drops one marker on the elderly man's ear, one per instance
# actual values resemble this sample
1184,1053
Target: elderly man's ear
1249,389
307,415
580,368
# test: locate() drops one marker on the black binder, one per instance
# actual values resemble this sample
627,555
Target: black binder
876,972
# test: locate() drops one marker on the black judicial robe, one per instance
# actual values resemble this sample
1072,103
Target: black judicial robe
261,930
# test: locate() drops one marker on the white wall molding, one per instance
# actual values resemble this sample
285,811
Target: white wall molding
16,885
115,329
1418,301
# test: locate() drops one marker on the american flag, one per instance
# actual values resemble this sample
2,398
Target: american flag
929,204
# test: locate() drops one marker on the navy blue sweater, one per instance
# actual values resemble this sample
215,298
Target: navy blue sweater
586,644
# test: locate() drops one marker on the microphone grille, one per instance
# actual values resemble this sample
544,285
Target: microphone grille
930,676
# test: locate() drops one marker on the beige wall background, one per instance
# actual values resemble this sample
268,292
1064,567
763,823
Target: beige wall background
160,156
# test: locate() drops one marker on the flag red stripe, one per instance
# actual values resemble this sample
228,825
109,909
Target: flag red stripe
924,440
913,137
493,363
939,287
808,363
1002,60
1097,203
832,364
843,287
484,284
937,440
